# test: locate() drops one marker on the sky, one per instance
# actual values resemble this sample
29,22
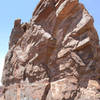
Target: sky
13,9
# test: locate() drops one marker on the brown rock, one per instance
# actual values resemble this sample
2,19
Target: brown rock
55,56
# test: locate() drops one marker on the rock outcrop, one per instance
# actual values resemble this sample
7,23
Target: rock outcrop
56,56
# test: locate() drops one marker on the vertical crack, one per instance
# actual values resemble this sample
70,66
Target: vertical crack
46,92
49,85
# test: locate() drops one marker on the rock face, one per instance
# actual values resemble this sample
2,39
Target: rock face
54,57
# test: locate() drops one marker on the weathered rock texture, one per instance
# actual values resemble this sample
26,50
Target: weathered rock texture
54,57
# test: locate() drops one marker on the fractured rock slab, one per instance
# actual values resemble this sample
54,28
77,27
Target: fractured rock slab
56,56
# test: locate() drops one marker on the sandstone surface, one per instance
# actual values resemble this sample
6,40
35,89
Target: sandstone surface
56,56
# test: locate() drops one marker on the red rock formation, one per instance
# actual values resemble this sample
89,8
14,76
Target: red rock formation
55,56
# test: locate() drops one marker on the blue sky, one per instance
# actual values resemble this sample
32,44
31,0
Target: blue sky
12,9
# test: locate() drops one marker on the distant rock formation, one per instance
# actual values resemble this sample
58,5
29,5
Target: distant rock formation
54,57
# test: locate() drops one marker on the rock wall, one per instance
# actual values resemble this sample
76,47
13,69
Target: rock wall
54,57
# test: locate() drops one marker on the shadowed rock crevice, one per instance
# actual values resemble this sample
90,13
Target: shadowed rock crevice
44,97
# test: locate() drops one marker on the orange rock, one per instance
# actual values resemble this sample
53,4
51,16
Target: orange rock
54,57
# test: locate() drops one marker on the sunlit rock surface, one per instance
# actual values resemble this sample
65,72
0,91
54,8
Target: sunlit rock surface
56,56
